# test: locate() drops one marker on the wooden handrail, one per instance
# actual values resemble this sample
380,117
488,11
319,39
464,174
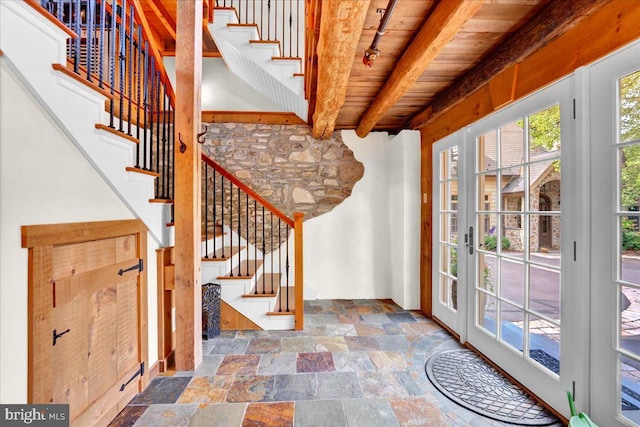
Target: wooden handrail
247,190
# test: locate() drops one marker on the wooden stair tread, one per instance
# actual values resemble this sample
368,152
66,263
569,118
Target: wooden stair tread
276,308
263,286
228,253
240,271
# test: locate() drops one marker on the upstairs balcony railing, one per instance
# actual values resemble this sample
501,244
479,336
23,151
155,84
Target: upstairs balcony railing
266,234
280,21
112,51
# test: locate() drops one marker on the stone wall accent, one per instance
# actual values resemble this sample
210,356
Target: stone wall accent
285,164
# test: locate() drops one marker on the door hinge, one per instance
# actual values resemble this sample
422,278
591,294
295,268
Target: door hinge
468,239
139,266
138,372
57,335
574,108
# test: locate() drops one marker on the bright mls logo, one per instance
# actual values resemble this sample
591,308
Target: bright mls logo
34,415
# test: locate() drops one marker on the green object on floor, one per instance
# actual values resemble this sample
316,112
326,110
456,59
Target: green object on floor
578,420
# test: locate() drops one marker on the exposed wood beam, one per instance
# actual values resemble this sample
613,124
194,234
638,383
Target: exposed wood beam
607,29
187,207
251,117
340,27
438,30
163,16
554,20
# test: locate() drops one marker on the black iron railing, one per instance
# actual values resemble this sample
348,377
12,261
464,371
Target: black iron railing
229,203
277,20
113,52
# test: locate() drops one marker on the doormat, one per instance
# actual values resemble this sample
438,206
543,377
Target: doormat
468,380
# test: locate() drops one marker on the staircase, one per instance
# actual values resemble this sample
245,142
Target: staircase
33,44
260,63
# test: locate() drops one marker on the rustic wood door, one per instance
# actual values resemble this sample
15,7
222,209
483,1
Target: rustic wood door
93,357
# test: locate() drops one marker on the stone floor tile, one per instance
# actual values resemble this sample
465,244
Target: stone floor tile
219,415
398,329
362,343
332,343
376,319
320,319
416,411
209,365
402,317
282,363
253,334
162,390
269,415
166,416
229,346
341,329
241,364
369,413
352,319
297,344
414,383
393,343
128,416
425,327
263,346
388,361
366,329
338,385
353,361
294,387
207,389
380,384
319,413
315,362
251,388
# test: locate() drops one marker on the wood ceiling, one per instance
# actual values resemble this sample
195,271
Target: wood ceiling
432,55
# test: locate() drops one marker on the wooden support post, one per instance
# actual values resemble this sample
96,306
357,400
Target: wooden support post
188,292
426,258
299,290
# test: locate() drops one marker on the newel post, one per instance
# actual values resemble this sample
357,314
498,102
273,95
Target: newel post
299,291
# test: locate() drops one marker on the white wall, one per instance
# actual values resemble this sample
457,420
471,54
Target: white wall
43,179
222,90
368,246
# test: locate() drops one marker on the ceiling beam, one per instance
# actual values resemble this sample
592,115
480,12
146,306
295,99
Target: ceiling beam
555,19
341,23
163,16
437,31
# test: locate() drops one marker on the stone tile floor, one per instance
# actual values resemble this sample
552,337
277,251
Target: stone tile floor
357,363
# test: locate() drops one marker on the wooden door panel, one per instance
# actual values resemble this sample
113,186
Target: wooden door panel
94,297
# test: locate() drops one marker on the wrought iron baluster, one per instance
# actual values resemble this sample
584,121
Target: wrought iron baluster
215,207
279,262
268,19
157,122
59,7
262,20
298,20
231,224
271,253
239,236
122,60
290,26
103,17
90,17
284,39
286,267
264,252
152,94
172,155
130,67
206,210
165,145
275,21
247,231
139,80
255,236
76,49
145,79
112,60
222,212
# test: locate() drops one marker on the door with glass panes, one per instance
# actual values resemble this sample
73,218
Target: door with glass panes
521,274
615,238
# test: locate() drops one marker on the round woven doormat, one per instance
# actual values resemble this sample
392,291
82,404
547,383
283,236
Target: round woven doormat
465,378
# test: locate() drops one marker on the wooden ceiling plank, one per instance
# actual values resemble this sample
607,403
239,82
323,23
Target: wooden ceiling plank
340,27
438,30
554,20
163,16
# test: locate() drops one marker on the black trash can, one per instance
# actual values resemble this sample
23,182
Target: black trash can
210,310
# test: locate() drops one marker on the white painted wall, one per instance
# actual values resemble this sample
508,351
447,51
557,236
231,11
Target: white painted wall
222,90
369,245
44,179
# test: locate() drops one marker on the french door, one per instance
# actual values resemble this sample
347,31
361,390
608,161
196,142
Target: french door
514,239
615,162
